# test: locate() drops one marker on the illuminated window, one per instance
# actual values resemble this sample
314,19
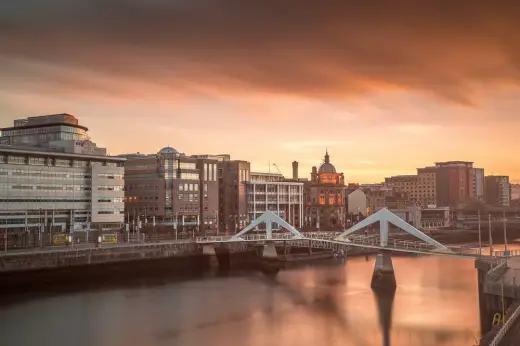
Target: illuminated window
322,199
331,198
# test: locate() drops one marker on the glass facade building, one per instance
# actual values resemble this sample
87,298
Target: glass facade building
58,188
35,131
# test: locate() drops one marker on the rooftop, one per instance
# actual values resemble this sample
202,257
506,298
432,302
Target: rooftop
22,150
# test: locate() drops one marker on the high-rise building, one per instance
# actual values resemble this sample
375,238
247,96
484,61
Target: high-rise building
478,184
454,180
172,189
54,179
271,191
233,176
324,199
498,190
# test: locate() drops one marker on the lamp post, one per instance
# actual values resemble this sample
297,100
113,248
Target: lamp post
479,236
490,237
505,234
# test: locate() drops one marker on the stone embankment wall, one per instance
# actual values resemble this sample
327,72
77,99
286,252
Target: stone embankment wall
79,257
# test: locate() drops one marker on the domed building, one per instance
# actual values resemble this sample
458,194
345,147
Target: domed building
169,191
325,209
168,150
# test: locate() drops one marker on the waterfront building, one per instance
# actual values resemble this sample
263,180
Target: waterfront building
271,191
450,183
324,200
233,176
498,190
171,190
454,183
54,179
420,188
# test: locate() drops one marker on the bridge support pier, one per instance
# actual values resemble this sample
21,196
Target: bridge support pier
383,277
211,254
270,263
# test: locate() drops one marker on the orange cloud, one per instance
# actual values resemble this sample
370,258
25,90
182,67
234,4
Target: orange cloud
332,50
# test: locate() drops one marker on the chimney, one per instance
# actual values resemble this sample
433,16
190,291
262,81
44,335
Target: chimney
295,170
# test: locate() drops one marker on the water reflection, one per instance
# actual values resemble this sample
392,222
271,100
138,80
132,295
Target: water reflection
435,304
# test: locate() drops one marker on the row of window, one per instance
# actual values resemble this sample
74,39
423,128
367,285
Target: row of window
45,187
110,175
110,212
210,172
111,200
44,200
111,188
44,174
43,161
188,197
189,187
42,130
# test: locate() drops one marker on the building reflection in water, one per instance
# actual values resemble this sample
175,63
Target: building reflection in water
329,305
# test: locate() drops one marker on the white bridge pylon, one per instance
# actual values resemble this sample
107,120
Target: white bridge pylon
384,217
268,217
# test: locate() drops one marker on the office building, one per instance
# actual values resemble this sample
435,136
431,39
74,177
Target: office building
171,190
54,179
233,176
454,180
271,191
498,190
420,188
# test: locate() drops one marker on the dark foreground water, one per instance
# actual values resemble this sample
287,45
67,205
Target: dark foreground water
436,303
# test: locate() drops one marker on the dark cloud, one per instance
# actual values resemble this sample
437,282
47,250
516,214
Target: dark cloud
317,49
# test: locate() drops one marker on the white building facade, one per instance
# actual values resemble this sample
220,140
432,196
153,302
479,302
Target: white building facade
268,191
63,185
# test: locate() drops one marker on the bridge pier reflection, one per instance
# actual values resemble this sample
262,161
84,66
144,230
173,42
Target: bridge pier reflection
385,303
383,277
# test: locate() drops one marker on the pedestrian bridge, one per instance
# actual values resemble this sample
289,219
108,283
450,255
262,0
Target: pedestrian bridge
423,245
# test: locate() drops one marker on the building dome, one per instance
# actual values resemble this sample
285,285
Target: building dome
327,167
168,150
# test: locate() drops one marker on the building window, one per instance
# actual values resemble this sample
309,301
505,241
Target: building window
37,161
190,176
187,165
62,163
17,160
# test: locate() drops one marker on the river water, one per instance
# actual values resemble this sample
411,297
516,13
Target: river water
436,303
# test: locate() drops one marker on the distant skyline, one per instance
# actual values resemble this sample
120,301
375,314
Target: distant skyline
387,87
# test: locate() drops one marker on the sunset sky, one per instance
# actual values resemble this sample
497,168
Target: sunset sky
386,86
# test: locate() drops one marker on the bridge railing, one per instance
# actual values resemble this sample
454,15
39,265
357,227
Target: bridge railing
510,253
506,327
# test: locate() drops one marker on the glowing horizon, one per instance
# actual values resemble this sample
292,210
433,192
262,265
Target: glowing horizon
387,88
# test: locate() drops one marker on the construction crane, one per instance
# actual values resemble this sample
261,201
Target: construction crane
278,169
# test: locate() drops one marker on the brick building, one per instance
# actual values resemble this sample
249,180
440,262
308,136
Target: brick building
172,189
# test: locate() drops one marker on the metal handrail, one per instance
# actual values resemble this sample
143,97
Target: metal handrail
500,264
505,328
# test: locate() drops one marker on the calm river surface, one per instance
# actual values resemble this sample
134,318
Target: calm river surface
331,304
